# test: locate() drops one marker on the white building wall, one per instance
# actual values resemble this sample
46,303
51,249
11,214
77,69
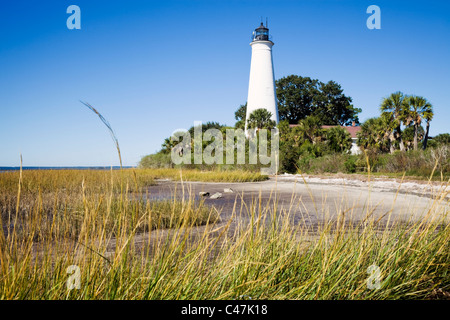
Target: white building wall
261,89
355,149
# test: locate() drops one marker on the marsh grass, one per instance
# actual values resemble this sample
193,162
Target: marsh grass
60,201
127,247
206,176
94,180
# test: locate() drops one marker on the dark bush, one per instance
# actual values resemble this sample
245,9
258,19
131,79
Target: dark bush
350,164
157,160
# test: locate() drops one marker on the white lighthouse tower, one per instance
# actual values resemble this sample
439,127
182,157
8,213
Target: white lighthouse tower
261,89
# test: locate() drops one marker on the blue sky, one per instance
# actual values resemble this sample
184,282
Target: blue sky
151,67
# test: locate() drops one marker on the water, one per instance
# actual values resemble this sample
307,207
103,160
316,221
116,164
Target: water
3,169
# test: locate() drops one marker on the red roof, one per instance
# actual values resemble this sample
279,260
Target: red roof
350,129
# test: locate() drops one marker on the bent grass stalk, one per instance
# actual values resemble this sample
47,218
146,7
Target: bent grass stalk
266,258
128,247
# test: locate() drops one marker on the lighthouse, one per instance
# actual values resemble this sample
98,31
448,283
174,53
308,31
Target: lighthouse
261,88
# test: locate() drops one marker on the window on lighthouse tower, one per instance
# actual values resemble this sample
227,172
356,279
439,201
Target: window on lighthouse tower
261,33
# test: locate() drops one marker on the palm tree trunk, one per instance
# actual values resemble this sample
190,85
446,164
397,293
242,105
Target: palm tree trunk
400,139
425,139
391,142
402,145
416,133
391,149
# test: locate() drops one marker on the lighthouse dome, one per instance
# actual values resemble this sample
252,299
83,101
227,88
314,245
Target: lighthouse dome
261,33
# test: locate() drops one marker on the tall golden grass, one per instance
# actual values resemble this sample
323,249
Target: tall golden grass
55,224
206,176
127,247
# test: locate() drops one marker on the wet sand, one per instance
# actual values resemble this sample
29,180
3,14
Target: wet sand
309,204
315,201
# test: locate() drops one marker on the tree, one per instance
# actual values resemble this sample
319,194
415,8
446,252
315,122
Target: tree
428,116
408,136
295,97
418,109
299,97
260,119
289,147
301,141
167,145
240,115
440,139
309,129
391,132
373,135
333,107
393,109
206,126
338,139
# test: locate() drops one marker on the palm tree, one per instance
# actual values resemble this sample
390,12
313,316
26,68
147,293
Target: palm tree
167,145
418,109
393,110
338,139
428,116
309,129
389,130
373,135
260,119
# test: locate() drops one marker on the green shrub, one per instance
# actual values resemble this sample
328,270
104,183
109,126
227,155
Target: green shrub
439,140
329,163
350,164
157,160
338,139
